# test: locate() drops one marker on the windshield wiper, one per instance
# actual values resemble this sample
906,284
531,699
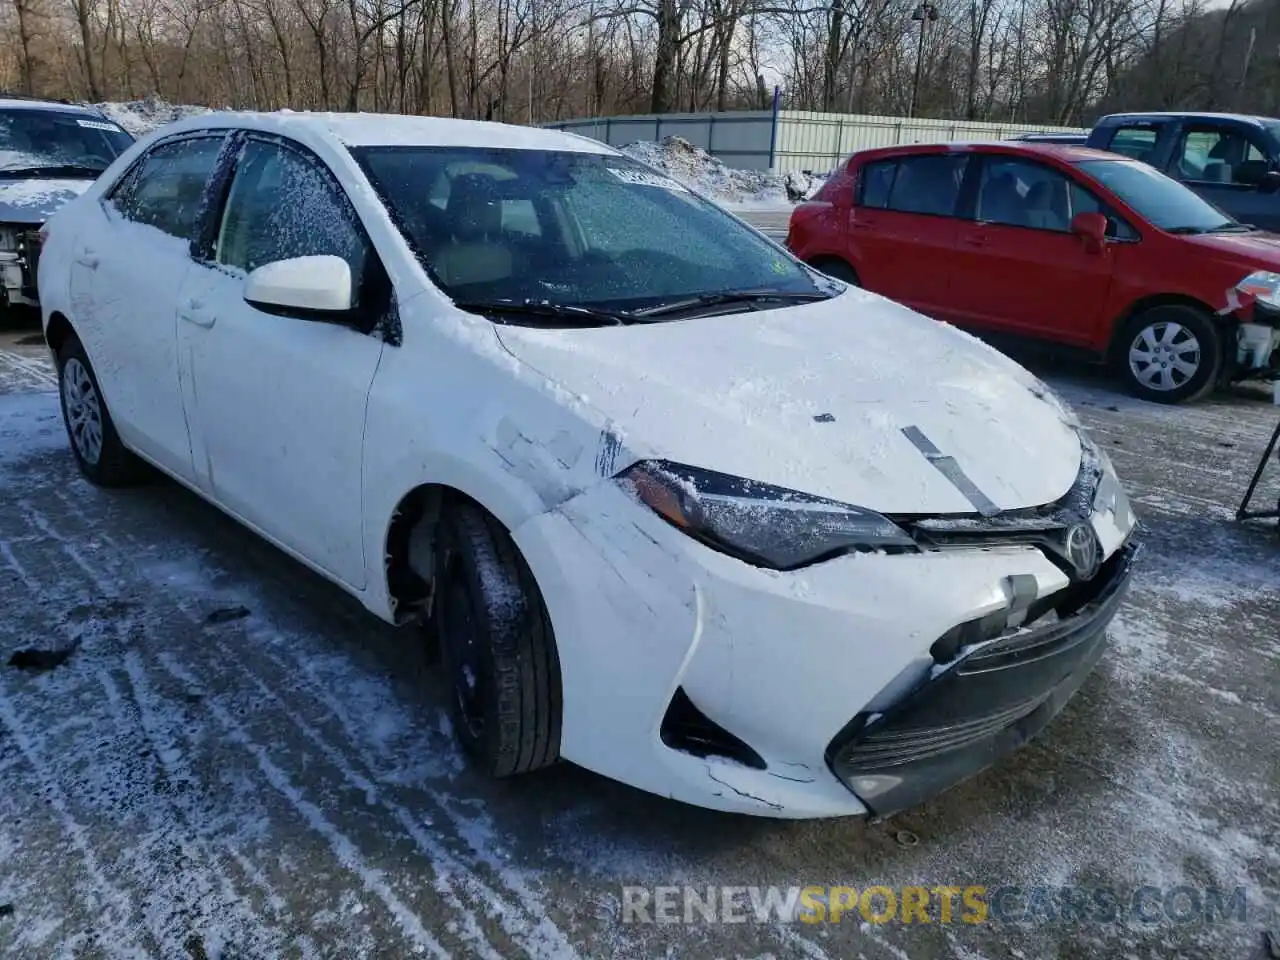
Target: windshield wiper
726,297
546,310
1231,226
53,170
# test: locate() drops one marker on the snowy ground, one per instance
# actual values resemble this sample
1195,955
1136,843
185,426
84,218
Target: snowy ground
237,762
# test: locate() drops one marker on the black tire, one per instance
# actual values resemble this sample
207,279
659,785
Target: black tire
496,647
839,269
113,465
1173,335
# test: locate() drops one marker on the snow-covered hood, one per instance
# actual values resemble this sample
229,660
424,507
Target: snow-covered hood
36,200
821,398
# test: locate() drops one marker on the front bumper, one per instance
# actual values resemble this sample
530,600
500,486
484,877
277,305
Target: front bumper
650,623
981,706
19,260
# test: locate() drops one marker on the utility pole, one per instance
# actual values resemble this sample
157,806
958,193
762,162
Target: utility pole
926,12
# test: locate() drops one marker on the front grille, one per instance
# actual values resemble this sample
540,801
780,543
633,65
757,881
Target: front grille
29,250
980,704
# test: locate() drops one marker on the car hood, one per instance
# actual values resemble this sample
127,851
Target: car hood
822,398
35,201
1261,248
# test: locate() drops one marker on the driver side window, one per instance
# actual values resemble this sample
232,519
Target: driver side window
1216,155
283,204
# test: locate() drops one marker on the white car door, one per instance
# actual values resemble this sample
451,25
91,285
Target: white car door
277,401
130,257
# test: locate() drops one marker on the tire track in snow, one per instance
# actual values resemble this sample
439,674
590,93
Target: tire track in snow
343,848
179,800
537,935
525,922
180,897
110,905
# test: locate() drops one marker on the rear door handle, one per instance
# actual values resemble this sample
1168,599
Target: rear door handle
87,258
976,240
193,311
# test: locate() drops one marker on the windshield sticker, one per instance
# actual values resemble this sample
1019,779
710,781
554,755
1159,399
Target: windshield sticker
99,125
643,178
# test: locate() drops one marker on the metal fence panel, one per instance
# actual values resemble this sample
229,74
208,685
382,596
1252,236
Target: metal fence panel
819,141
803,140
741,138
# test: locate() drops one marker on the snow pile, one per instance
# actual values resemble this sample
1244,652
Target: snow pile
140,117
697,169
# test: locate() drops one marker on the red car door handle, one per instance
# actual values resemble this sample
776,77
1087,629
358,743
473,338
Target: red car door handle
976,240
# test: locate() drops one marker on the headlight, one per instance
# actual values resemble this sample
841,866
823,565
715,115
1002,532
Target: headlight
1262,285
1108,494
762,524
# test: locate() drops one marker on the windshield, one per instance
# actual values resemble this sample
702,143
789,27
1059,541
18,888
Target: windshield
1160,200
46,140
570,229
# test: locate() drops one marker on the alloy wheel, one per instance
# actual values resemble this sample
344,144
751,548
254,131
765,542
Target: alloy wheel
1164,356
83,410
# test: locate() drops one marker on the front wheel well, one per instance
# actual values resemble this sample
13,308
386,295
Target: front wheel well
1148,303
409,549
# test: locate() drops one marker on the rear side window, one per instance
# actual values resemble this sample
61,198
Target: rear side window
876,182
1135,142
166,188
928,184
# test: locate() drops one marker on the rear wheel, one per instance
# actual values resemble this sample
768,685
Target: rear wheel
496,647
99,454
839,269
1170,354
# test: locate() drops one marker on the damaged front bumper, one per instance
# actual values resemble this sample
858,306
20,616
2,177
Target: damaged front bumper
19,258
983,704
696,676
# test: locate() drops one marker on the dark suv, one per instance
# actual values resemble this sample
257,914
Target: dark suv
1230,159
50,152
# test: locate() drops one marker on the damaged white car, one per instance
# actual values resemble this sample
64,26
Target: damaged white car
677,508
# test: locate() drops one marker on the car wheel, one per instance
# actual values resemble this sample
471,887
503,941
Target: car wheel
1170,354
100,455
838,269
496,647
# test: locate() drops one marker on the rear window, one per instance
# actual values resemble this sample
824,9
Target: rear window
925,183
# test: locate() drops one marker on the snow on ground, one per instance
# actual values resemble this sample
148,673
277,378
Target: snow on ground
236,761
697,169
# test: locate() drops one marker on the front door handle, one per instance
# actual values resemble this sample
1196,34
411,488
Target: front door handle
976,240
193,311
87,258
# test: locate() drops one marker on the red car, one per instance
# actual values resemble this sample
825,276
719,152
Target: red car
1075,246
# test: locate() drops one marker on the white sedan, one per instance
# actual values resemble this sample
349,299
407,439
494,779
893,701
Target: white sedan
676,507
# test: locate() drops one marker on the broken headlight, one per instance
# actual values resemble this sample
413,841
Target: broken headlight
759,523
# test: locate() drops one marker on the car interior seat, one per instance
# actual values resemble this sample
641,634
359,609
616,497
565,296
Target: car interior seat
476,251
1046,205
1000,201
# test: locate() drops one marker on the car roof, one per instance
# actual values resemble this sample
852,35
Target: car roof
25,103
374,129
1067,153
1186,114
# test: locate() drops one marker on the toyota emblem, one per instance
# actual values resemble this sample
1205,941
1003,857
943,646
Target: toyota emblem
1083,550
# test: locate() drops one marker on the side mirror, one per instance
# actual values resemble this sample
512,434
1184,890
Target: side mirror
319,285
1270,181
1091,228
